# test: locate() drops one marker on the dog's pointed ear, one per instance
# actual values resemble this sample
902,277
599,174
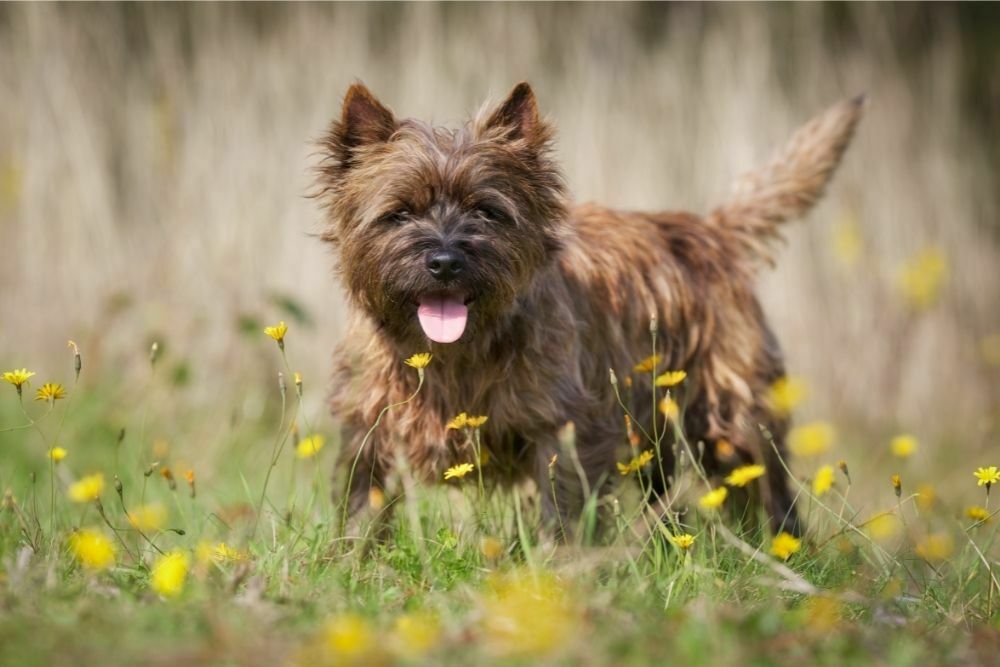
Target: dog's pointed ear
518,114
363,119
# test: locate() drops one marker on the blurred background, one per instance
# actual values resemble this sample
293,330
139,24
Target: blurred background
155,165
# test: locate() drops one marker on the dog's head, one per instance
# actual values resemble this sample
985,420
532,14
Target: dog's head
438,231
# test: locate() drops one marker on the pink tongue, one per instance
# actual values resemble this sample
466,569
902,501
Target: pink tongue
443,319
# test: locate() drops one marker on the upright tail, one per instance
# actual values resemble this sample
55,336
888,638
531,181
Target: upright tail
791,183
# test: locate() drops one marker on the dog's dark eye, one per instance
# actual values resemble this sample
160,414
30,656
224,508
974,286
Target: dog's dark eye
395,217
493,214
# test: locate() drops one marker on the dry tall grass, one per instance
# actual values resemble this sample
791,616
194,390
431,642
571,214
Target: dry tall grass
154,162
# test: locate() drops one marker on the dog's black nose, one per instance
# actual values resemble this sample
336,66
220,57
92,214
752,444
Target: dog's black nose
445,264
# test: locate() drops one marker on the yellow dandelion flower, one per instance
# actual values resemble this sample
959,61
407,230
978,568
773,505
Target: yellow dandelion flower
420,360
169,573
670,409
57,454
17,377
647,365
376,498
50,391
637,462
219,552
926,497
459,471
148,518
897,485
309,446
491,548
903,446
784,545
812,439
277,332
476,422
920,278
92,549
683,542
786,393
86,488
527,615
936,547
987,476
883,527
847,243
349,638
744,475
724,449
670,378
460,421
713,499
989,349
823,480
415,634
977,513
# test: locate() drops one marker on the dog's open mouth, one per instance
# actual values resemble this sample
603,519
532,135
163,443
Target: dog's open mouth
443,316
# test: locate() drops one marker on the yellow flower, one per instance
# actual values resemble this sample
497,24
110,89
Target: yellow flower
637,462
57,454
86,488
683,542
785,394
310,446
476,422
419,361
376,498
926,497
50,391
989,349
670,378
460,421
812,439
897,485
148,518
920,278
527,615
713,499
936,547
823,480
459,471
491,548
977,513
92,549
744,475
903,446
724,449
17,377
784,545
349,638
987,476
647,365
220,552
415,634
669,408
847,243
169,573
883,527
277,332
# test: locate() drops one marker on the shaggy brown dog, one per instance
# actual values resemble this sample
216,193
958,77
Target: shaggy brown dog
463,243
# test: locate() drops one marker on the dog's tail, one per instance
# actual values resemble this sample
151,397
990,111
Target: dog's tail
791,183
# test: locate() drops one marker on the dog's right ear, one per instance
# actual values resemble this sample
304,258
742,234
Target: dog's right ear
363,121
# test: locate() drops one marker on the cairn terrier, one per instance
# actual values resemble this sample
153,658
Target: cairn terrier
464,243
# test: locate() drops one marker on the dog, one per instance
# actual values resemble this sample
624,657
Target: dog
464,243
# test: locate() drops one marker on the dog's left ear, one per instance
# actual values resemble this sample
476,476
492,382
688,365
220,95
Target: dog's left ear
518,114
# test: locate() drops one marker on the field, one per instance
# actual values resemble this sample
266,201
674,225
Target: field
170,501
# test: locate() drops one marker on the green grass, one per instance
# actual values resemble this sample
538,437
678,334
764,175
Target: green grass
857,592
